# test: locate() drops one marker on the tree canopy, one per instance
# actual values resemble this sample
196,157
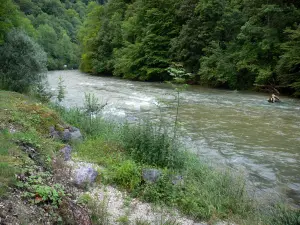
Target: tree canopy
223,43
234,44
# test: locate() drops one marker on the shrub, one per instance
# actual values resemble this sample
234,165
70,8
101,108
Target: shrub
152,145
127,174
23,62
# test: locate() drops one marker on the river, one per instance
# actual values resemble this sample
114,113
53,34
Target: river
226,128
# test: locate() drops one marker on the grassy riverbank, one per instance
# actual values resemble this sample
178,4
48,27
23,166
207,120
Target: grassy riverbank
124,150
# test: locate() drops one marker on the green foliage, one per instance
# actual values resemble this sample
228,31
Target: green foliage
11,17
281,214
87,34
23,62
127,174
61,89
7,177
92,105
49,194
55,27
178,73
98,210
8,163
152,145
127,149
229,44
84,199
289,63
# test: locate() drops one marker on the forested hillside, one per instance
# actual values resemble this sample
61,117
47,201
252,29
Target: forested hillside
56,24
223,43
234,44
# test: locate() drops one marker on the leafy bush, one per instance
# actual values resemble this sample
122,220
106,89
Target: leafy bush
46,193
23,62
127,174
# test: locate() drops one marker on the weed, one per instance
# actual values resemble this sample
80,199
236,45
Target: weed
141,222
127,174
7,177
53,195
151,144
84,199
61,89
98,210
92,105
124,220
282,214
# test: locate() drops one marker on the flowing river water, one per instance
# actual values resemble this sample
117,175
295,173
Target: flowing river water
233,129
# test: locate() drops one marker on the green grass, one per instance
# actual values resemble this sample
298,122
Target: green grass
10,162
29,122
126,149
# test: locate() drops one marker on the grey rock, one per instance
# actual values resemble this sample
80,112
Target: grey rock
66,135
54,134
76,135
73,129
151,175
29,150
85,175
51,129
66,151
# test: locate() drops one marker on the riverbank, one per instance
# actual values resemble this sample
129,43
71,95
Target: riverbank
122,153
225,128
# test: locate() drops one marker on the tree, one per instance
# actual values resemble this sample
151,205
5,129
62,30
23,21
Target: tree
87,34
288,66
23,62
11,17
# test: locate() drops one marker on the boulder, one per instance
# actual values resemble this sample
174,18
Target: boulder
66,151
75,134
66,134
54,133
85,175
151,175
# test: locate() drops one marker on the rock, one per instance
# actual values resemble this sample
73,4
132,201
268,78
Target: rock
54,134
151,175
85,175
76,134
29,150
177,180
66,151
51,129
66,135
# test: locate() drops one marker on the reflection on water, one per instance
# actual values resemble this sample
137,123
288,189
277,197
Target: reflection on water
236,129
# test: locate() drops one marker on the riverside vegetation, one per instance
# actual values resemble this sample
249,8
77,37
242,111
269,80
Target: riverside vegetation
205,193
235,44
33,179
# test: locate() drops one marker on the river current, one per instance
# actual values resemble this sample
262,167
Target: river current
235,129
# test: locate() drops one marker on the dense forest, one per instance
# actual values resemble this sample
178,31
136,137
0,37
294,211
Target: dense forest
232,44
221,43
